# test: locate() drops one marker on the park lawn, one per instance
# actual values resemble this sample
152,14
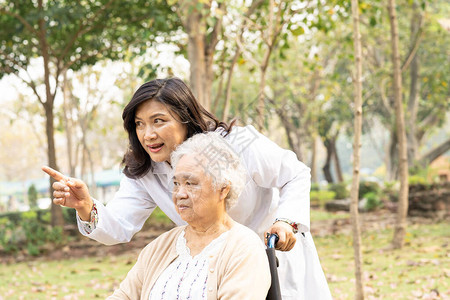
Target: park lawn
84,278
415,272
420,270
321,215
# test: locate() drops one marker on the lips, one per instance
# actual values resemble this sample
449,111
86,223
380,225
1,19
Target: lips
182,206
155,147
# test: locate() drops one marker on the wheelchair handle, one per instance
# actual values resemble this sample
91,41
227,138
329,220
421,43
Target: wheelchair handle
272,240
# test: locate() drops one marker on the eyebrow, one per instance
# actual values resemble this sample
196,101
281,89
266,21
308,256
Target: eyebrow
184,176
152,116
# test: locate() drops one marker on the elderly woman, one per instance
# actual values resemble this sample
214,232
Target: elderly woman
213,257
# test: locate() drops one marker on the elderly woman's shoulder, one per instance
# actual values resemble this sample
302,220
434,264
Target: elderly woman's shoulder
165,239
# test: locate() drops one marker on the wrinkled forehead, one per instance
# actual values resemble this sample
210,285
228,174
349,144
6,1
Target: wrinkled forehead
190,165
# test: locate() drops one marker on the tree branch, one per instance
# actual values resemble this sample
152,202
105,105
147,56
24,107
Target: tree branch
430,119
214,36
32,85
431,155
413,51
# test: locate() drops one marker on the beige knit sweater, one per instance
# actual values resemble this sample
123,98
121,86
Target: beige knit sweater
239,271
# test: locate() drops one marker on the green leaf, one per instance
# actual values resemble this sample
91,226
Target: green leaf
298,31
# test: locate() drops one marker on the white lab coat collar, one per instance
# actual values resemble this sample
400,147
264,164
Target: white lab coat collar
161,168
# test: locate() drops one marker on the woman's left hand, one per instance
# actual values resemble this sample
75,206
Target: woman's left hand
286,236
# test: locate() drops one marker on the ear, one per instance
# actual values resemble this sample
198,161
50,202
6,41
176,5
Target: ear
224,190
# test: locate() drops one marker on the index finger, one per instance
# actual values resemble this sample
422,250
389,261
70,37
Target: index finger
53,173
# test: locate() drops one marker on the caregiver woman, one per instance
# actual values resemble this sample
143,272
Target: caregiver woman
161,115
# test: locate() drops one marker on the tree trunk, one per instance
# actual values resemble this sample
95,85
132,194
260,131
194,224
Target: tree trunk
260,107
337,164
413,102
196,57
68,123
291,130
313,159
226,106
56,210
392,156
87,157
354,214
202,42
327,166
215,103
400,227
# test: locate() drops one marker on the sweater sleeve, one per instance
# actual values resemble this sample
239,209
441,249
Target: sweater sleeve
131,287
152,260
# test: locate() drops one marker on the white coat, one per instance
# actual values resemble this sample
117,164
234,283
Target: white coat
277,186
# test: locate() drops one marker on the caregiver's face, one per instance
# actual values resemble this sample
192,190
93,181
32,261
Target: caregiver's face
159,130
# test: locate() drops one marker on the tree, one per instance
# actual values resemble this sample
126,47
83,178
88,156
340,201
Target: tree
329,130
298,108
431,86
236,56
422,47
272,21
32,196
416,30
400,227
67,35
309,106
356,230
202,23
20,122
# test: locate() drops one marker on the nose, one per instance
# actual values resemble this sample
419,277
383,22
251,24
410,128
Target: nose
150,133
179,192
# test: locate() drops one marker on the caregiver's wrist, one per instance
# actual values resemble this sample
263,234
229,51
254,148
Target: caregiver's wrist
85,211
293,224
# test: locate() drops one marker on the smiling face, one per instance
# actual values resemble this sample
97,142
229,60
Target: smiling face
159,130
194,196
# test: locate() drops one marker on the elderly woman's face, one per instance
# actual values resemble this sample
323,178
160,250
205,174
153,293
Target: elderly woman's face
194,196
159,130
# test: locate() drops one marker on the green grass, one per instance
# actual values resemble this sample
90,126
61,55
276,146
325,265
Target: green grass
85,278
422,266
418,270
320,215
158,217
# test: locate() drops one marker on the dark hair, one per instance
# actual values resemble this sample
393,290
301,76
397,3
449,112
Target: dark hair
176,96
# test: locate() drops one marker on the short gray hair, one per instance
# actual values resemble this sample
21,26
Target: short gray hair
223,164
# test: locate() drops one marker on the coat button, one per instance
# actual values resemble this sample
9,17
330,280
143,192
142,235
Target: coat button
211,270
210,289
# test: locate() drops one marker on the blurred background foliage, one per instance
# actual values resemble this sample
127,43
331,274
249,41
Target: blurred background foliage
68,68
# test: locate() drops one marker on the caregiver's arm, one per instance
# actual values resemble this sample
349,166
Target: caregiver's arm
114,223
271,166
